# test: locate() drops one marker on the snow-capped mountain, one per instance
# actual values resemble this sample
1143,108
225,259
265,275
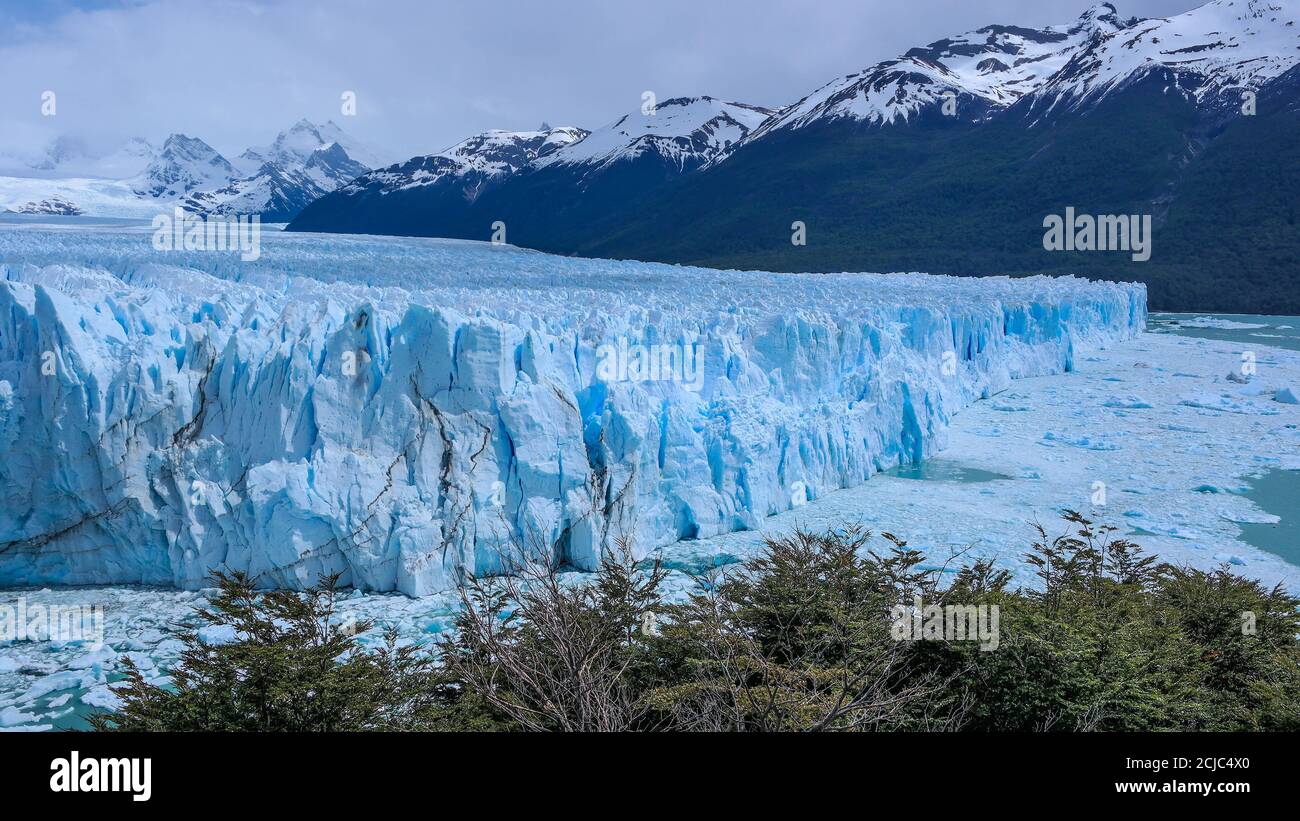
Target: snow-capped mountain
302,164
573,197
985,70
1213,53
684,132
296,145
424,193
135,179
681,135
1148,117
183,165
529,179
278,192
53,205
470,164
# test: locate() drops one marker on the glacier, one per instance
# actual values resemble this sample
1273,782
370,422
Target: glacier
405,411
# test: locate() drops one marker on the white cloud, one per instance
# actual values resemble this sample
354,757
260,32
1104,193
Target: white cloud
427,74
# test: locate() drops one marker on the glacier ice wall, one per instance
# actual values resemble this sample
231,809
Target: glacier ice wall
403,411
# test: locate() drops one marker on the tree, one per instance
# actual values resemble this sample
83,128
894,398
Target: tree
553,653
291,665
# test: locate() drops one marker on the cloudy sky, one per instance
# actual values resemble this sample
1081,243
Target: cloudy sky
427,73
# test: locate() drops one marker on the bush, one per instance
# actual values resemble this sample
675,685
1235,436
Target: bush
552,655
291,667
800,638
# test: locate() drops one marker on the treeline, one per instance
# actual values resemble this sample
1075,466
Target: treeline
818,632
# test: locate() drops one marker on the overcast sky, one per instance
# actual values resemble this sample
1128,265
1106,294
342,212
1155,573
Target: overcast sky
428,73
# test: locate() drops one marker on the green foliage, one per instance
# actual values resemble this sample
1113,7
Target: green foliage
1109,640
554,655
291,667
800,638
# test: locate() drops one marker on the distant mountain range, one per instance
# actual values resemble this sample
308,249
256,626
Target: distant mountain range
276,181
536,181
946,159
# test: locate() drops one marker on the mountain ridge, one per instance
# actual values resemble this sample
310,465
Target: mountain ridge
275,181
942,161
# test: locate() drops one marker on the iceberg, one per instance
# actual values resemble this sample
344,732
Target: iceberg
407,411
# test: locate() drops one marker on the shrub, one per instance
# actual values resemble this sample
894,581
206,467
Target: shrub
799,638
291,666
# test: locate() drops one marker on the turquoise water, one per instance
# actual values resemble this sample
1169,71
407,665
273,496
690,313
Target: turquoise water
1277,492
1276,331
74,715
943,470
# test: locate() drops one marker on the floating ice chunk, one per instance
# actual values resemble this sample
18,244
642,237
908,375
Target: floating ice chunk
102,696
1130,402
104,657
1086,442
1286,396
12,717
65,680
1227,404
1217,323
142,661
212,634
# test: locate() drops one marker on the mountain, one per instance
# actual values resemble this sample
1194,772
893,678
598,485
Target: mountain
1163,133
277,181
296,145
949,159
134,179
183,165
53,205
1210,55
435,192
680,135
984,71
534,181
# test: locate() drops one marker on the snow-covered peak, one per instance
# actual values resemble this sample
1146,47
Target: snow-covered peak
1101,17
54,205
1221,46
134,155
991,67
277,181
483,157
686,131
183,165
295,145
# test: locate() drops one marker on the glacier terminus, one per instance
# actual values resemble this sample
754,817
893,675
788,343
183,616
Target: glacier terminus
405,411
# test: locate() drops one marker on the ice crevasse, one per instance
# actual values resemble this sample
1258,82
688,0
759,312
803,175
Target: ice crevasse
406,411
